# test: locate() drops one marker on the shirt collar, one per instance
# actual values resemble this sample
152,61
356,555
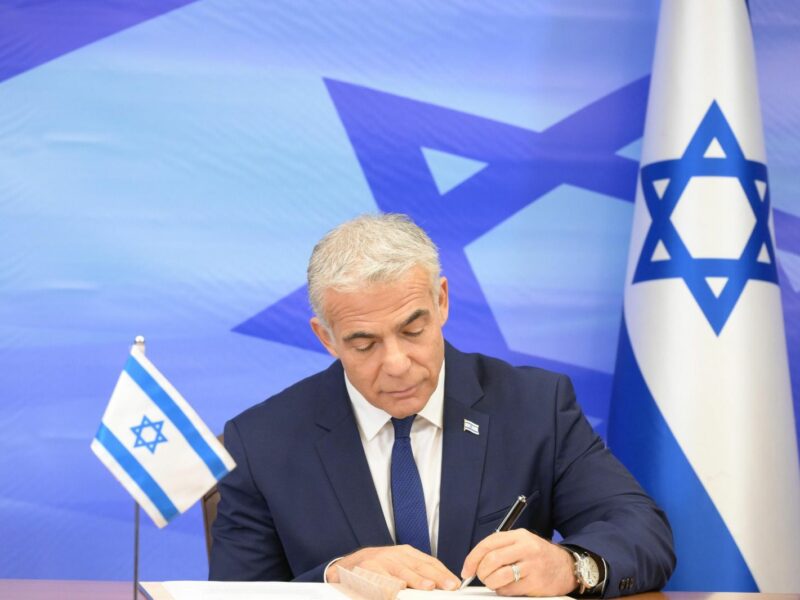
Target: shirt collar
371,419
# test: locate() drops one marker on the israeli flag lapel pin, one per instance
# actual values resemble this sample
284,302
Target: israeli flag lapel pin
471,427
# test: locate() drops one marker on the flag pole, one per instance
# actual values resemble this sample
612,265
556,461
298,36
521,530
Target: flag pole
139,343
135,550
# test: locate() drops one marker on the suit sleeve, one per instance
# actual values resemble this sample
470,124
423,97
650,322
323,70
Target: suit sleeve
600,507
246,546
245,543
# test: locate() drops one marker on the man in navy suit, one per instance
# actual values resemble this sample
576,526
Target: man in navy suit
404,455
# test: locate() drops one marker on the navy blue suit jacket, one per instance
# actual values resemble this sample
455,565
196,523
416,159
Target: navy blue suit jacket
302,493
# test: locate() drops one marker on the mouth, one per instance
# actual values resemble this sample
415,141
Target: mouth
402,394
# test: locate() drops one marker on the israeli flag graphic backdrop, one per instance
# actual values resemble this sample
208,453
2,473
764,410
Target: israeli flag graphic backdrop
166,167
702,407
156,445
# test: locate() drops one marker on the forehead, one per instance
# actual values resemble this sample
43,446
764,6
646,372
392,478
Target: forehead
379,305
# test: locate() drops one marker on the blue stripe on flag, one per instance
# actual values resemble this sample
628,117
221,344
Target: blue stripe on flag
137,472
174,413
640,437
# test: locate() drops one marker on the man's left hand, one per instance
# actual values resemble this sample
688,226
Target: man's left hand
544,568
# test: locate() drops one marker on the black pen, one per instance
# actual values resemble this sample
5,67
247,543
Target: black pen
507,523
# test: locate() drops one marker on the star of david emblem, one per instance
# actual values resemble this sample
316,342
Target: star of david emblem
390,135
714,255
153,440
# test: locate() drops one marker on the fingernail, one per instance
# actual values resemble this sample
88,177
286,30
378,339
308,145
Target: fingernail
451,584
463,573
426,583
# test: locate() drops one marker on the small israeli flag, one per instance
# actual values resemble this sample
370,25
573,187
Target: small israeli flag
156,445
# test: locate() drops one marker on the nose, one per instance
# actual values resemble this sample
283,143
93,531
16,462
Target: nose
395,361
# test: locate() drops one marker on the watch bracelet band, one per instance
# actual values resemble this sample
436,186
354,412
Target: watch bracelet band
602,567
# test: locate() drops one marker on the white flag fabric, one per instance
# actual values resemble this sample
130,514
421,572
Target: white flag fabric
156,445
702,410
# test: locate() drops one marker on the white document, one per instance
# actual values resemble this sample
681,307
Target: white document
282,590
470,592
251,590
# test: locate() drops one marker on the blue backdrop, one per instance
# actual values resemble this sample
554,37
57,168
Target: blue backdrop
166,168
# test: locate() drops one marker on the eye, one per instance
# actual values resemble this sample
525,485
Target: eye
365,348
415,332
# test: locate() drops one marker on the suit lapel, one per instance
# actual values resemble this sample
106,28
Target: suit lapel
342,455
463,457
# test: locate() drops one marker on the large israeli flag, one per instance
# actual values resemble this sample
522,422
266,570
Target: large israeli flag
156,445
702,408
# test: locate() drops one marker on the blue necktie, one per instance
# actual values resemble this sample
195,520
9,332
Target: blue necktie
408,501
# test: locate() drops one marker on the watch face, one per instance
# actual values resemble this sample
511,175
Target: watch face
588,571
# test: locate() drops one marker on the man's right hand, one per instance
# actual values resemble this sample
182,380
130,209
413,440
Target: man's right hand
419,570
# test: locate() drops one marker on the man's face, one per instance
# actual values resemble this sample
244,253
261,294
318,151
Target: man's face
389,339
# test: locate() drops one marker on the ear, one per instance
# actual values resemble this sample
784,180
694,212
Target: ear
323,335
444,301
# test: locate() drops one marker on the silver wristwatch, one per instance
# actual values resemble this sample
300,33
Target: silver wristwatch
587,573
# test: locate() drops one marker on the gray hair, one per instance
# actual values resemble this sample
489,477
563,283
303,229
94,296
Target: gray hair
369,249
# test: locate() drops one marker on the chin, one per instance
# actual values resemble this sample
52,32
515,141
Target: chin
400,409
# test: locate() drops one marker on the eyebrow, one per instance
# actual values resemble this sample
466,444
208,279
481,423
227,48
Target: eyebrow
359,335
364,335
420,312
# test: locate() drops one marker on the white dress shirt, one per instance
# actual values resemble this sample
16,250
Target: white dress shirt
377,436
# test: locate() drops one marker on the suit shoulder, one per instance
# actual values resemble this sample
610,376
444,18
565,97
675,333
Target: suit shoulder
298,401
494,370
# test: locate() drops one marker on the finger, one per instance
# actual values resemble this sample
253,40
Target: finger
527,584
415,559
439,574
497,559
494,541
412,578
503,576
515,589
376,566
428,566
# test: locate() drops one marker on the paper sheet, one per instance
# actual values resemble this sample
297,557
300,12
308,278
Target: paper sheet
280,590
470,592
239,590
